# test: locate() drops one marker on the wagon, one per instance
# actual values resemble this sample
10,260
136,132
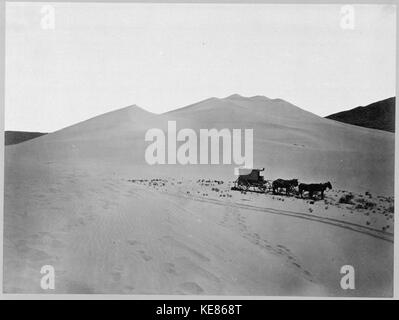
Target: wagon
251,180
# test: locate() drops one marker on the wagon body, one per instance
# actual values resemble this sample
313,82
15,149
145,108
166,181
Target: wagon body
251,180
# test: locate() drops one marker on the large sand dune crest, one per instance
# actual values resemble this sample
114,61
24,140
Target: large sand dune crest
288,141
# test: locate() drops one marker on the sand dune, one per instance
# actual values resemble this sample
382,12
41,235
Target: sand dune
69,203
288,141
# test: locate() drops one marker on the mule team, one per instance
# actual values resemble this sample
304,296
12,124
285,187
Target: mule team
290,185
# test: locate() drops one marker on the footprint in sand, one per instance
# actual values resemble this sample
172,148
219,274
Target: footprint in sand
306,272
145,256
133,242
170,268
191,288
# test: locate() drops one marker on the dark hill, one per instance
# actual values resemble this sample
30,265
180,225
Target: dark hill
378,115
14,137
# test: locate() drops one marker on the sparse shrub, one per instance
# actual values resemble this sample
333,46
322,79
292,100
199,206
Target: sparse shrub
365,204
347,199
391,209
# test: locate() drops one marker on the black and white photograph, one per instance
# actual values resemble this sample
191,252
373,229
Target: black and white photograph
199,149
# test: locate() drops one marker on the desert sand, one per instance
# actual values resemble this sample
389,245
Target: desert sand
84,200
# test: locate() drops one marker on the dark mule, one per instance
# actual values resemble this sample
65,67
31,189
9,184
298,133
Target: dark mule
314,187
288,185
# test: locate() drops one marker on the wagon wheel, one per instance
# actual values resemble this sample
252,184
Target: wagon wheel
235,185
262,189
246,185
240,185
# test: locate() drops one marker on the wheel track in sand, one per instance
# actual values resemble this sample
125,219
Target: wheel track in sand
338,223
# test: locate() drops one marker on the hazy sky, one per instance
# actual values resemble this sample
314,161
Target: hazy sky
101,57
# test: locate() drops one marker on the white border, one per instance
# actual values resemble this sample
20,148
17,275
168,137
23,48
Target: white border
181,297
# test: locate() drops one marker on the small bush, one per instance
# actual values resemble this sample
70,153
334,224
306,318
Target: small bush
347,198
364,204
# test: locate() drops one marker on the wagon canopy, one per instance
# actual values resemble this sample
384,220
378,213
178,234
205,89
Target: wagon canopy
249,174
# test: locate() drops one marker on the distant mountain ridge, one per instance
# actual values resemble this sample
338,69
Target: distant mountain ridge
378,115
14,137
